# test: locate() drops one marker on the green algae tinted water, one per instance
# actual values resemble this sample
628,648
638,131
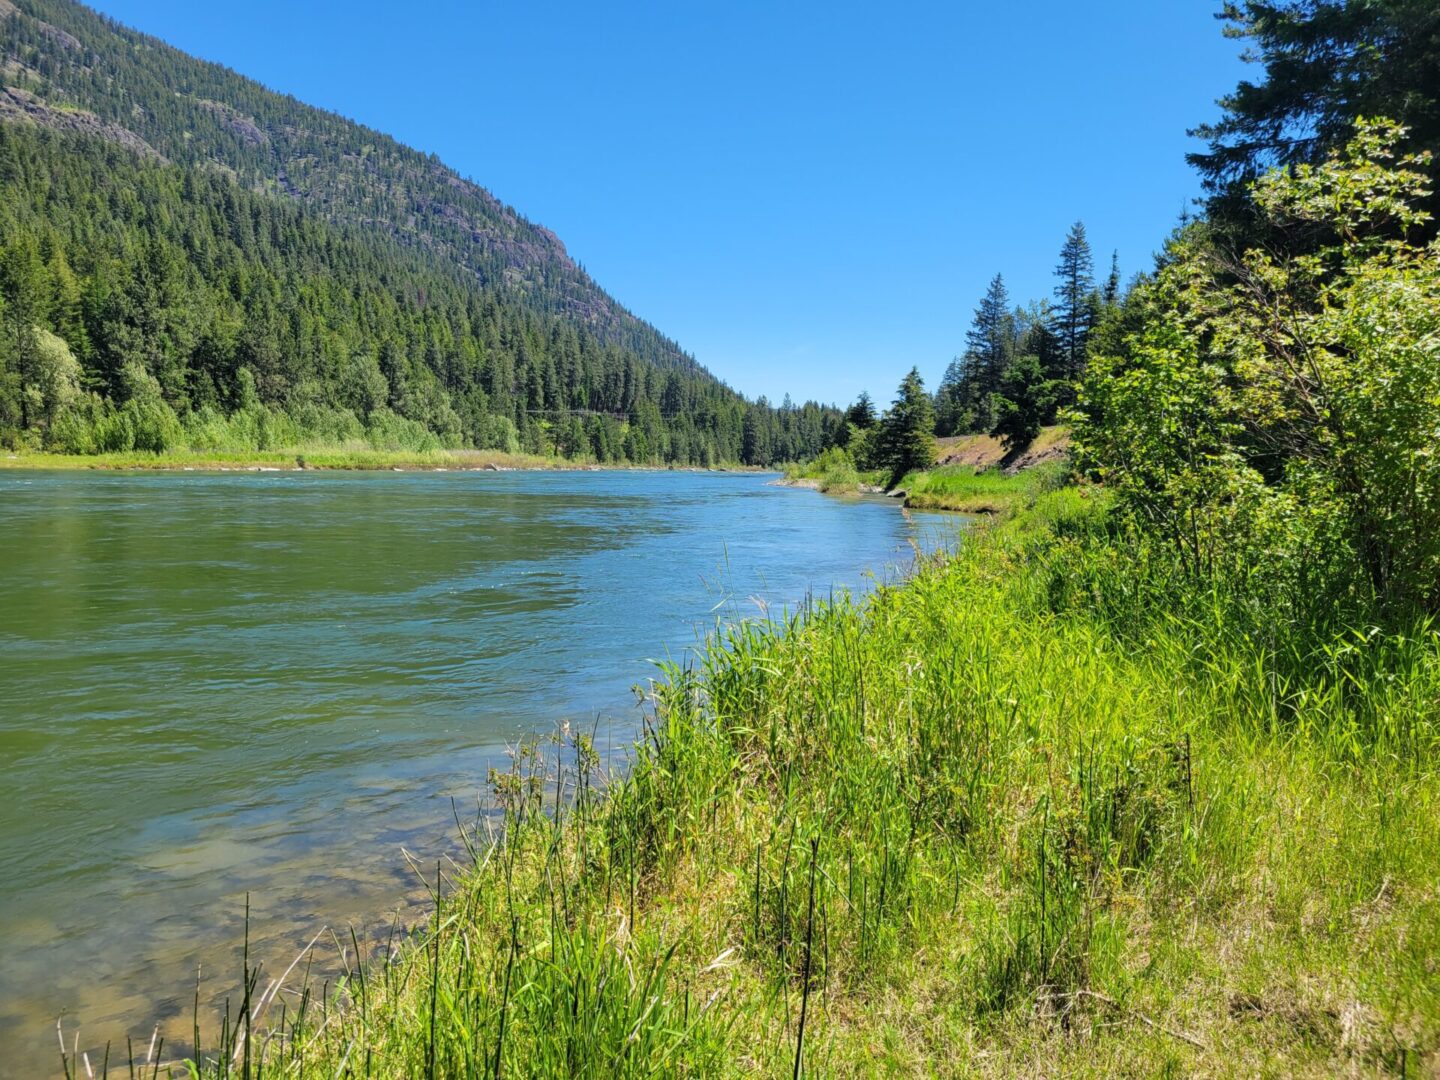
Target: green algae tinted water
221,684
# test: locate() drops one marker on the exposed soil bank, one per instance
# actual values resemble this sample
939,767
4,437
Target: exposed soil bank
983,452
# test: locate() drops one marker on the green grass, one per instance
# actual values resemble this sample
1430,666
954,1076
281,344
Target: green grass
322,457
310,457
961,488
834,473
1015,816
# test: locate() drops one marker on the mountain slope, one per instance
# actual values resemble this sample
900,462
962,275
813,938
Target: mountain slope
202,245
193,113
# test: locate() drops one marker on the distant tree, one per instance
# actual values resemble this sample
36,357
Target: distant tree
755,448
1022,403
862,413
1326,64
906,437
953,412
22,291
54,381
1074,309
570,437
1111,294
65,304
989,346
1035,334
856,430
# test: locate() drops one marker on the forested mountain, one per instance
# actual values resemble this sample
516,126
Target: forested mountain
186,256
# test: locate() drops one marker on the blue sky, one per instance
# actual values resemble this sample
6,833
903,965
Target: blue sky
810,197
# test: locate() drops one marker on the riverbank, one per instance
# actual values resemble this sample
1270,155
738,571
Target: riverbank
1028,812
963,489
333,655
299,459
971,475
807,483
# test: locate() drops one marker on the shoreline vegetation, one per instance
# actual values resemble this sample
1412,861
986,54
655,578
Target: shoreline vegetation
334,458
971,475
1043,807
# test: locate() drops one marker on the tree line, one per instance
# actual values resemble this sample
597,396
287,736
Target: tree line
1327,67
148,306
1019,370
89,70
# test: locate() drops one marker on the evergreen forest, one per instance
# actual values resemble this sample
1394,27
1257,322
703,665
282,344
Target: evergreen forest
188,260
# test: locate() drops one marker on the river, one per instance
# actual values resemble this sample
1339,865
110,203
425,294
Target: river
271,683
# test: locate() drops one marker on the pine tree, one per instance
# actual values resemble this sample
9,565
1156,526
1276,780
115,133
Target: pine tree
23,289
1111,295
906,439
990,340
756,446
952,416
1074,311
1326,64
862,413
1021,405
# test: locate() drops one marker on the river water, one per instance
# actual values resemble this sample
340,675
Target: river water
270,683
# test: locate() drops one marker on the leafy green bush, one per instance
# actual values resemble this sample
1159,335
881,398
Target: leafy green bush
499,433
1282,413
390,431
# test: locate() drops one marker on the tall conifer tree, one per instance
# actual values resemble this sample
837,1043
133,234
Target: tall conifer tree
952,409
989,347
991,336
1326,63
1074,308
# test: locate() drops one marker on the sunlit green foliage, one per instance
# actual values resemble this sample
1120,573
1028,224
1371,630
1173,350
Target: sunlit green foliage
1021,404
1271,408
988,491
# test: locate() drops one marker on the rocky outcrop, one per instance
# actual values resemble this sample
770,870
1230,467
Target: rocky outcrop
21,105
61,38
237,122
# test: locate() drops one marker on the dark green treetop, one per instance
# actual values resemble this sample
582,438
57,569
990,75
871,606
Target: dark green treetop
1074,310
1326,63
906,439
1024,400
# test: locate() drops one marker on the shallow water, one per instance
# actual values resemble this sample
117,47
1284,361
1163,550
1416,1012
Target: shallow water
221,684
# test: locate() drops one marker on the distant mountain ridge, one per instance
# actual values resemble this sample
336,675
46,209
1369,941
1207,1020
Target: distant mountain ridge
188,258
154,98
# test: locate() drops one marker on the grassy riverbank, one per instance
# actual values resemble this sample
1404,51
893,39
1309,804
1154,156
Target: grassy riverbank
835,473
970,475
964,489
1045,808
323,457
308,458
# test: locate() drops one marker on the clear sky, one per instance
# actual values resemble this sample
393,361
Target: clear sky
809,196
